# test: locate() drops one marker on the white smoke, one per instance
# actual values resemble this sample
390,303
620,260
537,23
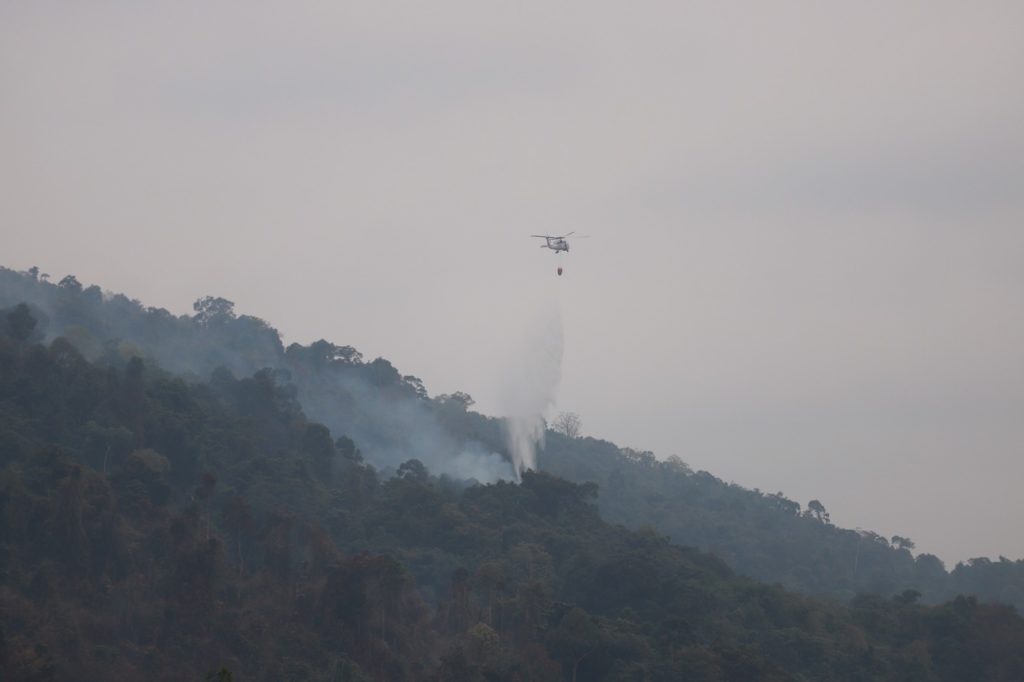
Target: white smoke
531,387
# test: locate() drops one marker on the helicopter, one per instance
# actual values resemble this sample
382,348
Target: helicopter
556,244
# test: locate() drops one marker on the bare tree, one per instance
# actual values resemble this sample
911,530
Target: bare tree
568,424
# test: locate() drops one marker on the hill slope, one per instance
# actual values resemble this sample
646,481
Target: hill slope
391,419
153,528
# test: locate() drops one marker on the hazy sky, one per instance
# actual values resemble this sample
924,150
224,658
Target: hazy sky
807,257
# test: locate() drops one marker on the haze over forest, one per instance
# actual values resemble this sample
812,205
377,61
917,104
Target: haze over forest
184,494
804,271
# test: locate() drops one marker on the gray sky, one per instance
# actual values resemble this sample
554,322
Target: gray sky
807,217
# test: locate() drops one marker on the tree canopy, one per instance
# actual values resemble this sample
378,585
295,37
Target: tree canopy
173,516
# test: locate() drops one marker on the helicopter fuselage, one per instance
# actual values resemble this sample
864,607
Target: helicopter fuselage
556,245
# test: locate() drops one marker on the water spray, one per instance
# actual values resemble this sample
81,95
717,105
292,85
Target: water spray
532,389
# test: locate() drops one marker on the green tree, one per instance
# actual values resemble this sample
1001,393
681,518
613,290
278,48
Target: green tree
20,323
70,283
816,510
221,675
482,645
211,310
317,443
575,638
900,542
413,470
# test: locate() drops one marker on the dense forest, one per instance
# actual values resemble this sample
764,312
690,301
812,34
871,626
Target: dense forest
183,497
392,419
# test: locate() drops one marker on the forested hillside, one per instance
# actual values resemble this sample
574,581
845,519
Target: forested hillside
169,506
157,528
392,419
